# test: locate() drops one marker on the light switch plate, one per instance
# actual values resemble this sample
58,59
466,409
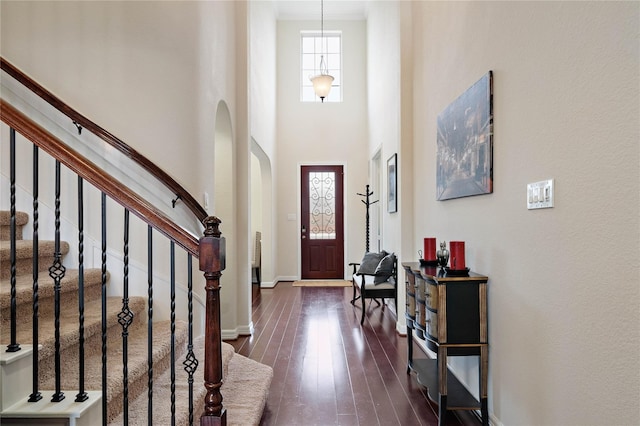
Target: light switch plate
540,194
205,197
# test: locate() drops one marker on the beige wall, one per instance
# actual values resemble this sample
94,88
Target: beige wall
320,133
564,322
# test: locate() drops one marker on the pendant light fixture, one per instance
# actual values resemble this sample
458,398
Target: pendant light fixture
322,82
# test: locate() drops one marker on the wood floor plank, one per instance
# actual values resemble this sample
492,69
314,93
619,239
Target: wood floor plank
330,370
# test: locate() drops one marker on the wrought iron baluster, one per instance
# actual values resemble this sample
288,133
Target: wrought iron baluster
150,324
190,362
125,317
35,394
82,395
103,296
13,346
57,272
173,333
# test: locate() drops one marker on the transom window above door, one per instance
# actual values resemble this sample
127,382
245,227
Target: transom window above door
313,47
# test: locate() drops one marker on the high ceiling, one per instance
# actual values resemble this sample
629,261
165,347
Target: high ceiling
310,9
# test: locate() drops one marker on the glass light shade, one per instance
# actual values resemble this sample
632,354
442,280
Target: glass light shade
322,85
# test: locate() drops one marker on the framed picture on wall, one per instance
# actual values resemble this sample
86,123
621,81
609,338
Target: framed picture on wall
465,143
392,184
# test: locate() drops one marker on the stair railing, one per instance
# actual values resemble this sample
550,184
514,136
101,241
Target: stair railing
209,249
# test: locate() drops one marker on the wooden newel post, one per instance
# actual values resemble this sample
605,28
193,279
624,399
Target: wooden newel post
212,262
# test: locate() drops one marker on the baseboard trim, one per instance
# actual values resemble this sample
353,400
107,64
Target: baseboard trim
246,330
401,330
241,330
229,334
268,284
285,278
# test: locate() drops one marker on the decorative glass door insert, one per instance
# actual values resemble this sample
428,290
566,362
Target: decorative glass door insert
322,205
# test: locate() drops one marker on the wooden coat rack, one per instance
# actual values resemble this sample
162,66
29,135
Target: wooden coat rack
367,203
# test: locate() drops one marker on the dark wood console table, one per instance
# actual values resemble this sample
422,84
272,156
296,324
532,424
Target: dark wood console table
450,314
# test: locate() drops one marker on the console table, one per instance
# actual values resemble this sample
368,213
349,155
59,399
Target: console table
450,314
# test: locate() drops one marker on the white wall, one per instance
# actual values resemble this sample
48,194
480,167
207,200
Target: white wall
564,324
128,55
256,195
387,111
320,133
263,75
262,70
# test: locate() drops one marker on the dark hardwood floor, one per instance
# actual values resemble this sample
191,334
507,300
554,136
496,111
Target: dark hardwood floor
329,370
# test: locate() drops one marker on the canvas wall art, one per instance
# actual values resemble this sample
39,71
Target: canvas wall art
465,143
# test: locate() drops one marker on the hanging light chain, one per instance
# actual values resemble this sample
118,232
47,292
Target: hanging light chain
322,20
323,65
322,82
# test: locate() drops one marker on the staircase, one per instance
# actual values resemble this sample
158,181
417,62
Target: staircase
244,390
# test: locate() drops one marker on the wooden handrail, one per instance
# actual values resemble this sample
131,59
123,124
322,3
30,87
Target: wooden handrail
97,177
103,134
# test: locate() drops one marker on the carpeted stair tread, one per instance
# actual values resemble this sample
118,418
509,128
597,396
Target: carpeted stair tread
68,285
245,391
24,256
24,250
137,363
22,219
162,392
69,333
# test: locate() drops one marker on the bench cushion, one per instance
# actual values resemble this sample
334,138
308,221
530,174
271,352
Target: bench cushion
369,282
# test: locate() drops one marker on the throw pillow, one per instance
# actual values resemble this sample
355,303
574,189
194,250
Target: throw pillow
369,263
384,270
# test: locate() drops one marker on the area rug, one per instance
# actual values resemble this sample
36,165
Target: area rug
322,283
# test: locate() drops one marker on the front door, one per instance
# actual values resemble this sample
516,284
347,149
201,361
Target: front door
322,233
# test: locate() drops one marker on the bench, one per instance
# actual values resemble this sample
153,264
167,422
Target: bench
375,277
